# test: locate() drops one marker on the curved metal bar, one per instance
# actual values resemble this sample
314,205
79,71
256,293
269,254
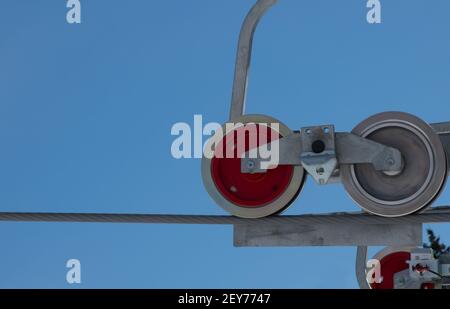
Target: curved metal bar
360,267
244,54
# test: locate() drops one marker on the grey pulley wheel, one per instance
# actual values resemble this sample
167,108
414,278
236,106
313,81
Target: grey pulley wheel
421,178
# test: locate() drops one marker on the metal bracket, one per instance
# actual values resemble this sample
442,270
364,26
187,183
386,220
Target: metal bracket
330,234
320,151
353,149
289,150
318,155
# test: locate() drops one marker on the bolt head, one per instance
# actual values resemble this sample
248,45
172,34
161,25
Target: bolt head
250,164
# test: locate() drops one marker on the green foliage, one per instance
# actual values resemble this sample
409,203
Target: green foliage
436,245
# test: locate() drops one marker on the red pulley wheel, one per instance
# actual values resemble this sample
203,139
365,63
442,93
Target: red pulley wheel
390,264
249,195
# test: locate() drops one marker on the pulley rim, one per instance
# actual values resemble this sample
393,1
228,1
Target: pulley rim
276,206
392,261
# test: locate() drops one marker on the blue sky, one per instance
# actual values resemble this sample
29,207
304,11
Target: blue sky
86,112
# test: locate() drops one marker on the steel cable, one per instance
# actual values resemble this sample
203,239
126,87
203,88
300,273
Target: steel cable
434,215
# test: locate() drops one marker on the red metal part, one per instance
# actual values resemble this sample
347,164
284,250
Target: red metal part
390,265
248,190
427,286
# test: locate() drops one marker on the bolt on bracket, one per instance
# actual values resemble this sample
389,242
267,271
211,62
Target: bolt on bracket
321,150
318,156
